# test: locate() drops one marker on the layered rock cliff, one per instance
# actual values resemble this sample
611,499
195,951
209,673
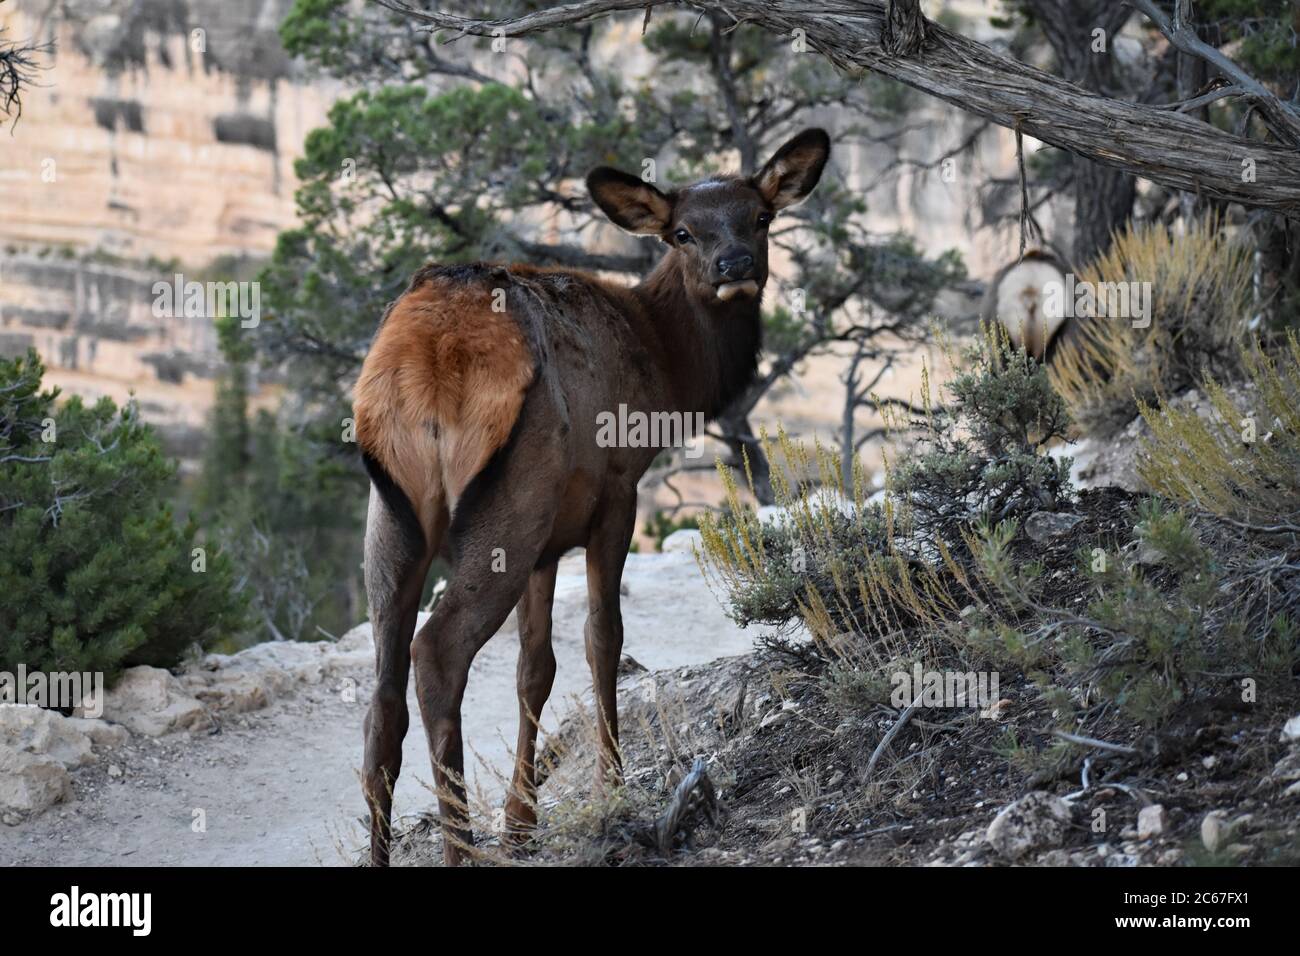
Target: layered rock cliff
160,138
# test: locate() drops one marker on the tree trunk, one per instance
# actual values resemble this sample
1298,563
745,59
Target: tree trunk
1081,34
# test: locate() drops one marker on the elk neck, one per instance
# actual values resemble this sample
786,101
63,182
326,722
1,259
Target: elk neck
710,347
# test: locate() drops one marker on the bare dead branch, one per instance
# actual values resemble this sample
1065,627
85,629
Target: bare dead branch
1282,118
695,792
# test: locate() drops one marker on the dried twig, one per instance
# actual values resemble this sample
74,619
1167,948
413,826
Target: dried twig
695,792
1093,742
893,732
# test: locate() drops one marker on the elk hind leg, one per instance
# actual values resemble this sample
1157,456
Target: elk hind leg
397,559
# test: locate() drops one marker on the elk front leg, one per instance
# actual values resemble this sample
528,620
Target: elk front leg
536,674
606,554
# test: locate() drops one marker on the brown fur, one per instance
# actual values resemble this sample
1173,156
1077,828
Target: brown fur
486,423
440,390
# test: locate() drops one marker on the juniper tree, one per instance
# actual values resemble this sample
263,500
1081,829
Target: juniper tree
95,571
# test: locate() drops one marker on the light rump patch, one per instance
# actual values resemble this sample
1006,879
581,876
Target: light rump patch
440,391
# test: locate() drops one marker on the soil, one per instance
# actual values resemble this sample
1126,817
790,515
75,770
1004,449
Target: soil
279,785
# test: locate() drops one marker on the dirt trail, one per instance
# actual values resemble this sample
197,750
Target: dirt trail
280,786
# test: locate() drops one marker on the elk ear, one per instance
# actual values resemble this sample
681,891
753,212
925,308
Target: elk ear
629,202
791,174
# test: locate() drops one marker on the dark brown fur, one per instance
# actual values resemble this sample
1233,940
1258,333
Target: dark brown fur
477,413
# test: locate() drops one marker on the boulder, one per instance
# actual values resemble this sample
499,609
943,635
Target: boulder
45,733
102,734
1038,820
151,701
238,693
29,782
1043,526
359,639
252,678
277,665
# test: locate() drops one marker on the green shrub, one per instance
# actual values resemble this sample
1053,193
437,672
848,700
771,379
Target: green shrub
661,524
982,455
95,573
882,567
1170,616
1241,462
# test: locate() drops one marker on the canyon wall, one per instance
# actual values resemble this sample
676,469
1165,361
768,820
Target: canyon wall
160,138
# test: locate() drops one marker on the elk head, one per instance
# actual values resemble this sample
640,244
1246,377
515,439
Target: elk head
717,228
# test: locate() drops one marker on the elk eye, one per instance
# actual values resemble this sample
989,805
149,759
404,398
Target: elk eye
764,219
682,236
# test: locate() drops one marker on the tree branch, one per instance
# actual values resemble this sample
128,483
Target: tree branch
1173,149
1281,117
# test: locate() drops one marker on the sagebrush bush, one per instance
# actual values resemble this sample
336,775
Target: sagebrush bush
1169,618
838,565
1201,303
1242,460
843,566
94,571
982,455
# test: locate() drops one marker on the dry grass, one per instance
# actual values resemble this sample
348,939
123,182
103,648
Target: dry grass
1242,461
1201,302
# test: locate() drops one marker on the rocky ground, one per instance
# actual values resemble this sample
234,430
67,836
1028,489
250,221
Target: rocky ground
796,780
732,756
791,779
253,758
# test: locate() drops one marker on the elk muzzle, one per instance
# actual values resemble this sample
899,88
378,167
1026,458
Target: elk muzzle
735,269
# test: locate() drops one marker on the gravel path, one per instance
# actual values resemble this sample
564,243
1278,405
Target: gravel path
280,786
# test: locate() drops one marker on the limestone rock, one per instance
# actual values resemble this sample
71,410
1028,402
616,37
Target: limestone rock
29,783
1152,821
1043,526
685,541
151,701
1291,730
1037,820
238,693
45,733
1214,830
102,734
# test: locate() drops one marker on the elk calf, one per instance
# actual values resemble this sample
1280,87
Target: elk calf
476,414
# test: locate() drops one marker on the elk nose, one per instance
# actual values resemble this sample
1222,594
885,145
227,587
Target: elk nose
736,265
